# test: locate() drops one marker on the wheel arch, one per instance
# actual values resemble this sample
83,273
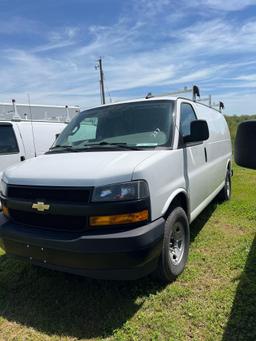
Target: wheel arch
178,198
229,167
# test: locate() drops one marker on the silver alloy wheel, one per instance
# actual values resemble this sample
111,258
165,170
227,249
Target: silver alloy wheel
177,243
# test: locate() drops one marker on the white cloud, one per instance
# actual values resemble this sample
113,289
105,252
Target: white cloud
59,39
248,78
151,8
227,5
222,37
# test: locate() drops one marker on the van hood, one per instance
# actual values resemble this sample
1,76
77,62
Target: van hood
77,169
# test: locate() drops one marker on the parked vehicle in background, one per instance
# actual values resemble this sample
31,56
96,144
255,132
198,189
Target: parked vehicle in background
114,196
245,144
22,140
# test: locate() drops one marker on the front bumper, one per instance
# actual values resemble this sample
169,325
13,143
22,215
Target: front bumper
129,254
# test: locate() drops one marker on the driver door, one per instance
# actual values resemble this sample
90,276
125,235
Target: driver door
195,160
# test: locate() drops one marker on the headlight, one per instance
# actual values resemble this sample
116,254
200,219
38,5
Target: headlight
3,188
120,192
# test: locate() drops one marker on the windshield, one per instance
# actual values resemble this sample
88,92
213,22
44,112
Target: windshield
140,125
8,143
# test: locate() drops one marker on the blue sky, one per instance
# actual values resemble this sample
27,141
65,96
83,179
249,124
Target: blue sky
49,49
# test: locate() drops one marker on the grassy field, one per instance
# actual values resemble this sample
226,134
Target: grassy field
214,299
234,120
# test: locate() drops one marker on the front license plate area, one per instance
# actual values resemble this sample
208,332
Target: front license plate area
31,252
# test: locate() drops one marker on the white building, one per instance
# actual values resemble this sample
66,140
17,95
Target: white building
60,113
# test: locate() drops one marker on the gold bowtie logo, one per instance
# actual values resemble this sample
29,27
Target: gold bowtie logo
41,206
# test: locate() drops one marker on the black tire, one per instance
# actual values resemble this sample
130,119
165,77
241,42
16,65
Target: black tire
170,266
225,193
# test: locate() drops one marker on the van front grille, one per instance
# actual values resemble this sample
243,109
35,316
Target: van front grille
49,221
79,195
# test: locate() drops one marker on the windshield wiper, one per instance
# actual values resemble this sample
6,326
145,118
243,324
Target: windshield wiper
61,149
122,145
60,146
90,146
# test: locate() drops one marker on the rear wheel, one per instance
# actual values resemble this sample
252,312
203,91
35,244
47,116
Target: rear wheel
175,247
225,193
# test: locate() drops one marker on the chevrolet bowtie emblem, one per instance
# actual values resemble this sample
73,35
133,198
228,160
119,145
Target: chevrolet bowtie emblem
41,206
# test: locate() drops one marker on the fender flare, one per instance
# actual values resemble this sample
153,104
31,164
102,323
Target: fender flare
229,161
171,198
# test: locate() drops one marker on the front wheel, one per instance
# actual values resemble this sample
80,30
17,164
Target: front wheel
175,247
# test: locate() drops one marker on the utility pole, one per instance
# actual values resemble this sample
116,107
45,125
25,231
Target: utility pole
102,90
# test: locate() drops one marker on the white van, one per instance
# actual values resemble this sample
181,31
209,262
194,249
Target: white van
115,195
21,140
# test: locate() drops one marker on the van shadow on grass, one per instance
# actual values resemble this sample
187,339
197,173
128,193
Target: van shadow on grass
65,305
242,320
202,219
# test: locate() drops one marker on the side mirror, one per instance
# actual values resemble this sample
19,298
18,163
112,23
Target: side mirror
245,144
199,131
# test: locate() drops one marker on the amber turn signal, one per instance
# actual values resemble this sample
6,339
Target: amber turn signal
127,218
5,211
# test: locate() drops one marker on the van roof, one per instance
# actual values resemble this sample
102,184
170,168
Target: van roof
143,99
153,98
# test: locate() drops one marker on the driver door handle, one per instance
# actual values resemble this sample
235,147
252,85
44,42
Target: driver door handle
205,154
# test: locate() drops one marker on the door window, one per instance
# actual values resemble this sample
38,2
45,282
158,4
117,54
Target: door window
8,143
187,115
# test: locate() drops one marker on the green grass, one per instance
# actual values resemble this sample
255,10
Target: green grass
234,120
214,299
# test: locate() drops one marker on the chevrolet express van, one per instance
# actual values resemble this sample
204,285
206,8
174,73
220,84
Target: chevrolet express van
115,195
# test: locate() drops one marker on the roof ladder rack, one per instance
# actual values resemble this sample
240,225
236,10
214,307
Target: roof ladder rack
206,99
194,90
219,105
195,97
